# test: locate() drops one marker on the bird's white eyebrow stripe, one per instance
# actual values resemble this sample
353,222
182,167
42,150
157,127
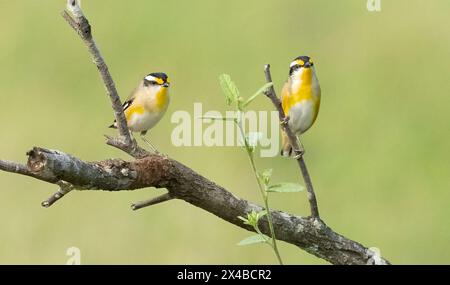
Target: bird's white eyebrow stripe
150,78
293,63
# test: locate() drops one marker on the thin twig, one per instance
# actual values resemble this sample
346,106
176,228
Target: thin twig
14,167
270,92
80,24
18,168
64,188
159,199
132,149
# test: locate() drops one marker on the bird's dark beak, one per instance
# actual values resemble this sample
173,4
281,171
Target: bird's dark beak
166,84
307,64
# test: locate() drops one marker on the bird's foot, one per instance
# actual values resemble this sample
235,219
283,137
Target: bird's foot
298,153
285,121
152,147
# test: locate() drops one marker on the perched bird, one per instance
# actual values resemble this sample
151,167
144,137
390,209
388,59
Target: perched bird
300,99
147,104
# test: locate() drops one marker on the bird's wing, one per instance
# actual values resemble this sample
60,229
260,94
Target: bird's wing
130,99
286,148
125,106
285,96
127,103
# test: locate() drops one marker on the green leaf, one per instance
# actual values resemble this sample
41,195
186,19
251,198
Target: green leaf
285,187
254,239
253,217
229,89
265,176
257,93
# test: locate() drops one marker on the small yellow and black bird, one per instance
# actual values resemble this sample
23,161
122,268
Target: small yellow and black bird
300,99
147,104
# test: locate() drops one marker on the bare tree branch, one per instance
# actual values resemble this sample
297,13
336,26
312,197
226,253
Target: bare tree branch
53,166
81,25
64,188
159,199
293,140
183,183
11,166
132,149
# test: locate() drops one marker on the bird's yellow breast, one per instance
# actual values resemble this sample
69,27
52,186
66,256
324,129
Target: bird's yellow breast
299,89
133,109
143,103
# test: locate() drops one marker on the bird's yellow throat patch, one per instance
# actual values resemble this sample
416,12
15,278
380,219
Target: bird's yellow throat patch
161,98
302,92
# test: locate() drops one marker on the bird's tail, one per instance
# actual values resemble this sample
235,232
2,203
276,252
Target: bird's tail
286,148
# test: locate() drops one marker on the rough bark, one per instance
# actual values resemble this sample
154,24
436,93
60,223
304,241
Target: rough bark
155,170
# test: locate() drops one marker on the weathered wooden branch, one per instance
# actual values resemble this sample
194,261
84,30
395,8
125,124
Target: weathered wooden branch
156,170
183,183
80,24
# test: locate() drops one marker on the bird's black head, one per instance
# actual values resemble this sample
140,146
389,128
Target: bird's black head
300,62
157,78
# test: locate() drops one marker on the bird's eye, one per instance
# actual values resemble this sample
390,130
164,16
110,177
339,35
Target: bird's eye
150,82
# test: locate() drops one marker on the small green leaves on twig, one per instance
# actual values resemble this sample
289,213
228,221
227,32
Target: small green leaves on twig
285,187
253,218
250,141
232,95
254,239
265,176
229,89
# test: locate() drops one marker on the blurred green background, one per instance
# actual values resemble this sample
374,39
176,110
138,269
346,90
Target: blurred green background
378,153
